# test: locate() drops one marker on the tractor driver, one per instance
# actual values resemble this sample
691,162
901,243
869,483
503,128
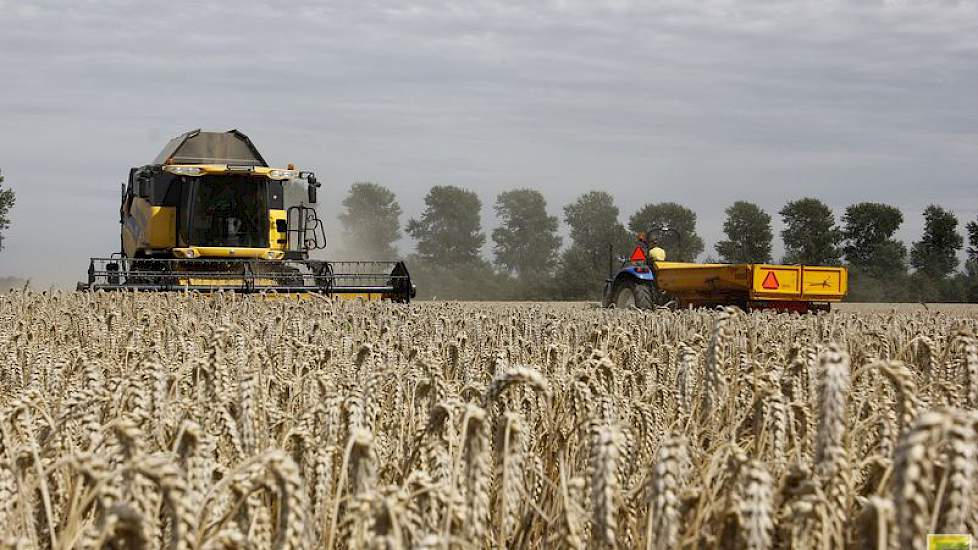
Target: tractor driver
655,253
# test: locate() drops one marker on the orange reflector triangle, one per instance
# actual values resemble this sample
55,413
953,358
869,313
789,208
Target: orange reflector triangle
638,255
771,281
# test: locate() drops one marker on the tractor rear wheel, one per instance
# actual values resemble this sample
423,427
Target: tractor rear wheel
630,293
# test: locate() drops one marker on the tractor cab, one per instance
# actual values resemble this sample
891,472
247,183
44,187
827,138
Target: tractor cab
633,284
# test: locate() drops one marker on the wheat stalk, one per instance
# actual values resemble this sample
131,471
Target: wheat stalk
167,420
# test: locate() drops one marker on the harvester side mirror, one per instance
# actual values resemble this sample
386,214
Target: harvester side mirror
313,186
142,184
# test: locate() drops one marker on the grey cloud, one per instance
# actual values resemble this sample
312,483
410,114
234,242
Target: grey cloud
699,102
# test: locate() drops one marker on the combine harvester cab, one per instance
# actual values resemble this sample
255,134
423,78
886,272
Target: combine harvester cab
646,280
209,214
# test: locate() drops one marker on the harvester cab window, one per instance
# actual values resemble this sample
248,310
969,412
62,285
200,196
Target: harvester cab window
127,194
229,211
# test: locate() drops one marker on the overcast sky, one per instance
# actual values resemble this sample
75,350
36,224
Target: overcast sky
699,102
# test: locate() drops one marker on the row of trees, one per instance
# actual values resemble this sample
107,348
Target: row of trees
529,260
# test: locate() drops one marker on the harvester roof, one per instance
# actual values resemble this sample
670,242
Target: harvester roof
197,147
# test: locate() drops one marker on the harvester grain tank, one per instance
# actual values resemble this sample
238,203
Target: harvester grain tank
646,280
210,214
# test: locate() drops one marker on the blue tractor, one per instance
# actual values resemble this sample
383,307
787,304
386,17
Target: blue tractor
634,282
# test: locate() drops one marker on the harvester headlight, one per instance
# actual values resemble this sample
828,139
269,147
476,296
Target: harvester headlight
184,170
274,254
278,174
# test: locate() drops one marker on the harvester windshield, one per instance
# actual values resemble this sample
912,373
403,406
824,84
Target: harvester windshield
225,211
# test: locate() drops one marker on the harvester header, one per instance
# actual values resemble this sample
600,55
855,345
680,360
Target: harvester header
211,214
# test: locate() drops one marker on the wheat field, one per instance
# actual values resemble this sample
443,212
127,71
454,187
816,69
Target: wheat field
165,421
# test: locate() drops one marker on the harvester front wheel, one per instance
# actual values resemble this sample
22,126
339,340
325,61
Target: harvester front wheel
631,294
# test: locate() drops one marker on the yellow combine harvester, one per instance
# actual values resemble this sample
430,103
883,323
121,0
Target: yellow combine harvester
646,280
210,214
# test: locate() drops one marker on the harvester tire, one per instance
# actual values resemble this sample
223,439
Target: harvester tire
630,293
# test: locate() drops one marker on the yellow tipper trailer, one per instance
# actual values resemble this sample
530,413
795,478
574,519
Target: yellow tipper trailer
646,280
757,286
210,214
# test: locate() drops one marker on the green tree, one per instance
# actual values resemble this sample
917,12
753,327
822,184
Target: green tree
971,266
449,232
526,241
749,236
972,228
6,203
867,233
688,245
971,281
596,234
810,235
936,253
371,221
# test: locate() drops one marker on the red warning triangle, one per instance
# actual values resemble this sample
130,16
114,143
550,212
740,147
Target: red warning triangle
771,281
638,255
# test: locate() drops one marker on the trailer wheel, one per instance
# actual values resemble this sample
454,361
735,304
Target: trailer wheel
629,293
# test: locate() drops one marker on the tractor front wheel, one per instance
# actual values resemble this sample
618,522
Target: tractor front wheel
631,294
